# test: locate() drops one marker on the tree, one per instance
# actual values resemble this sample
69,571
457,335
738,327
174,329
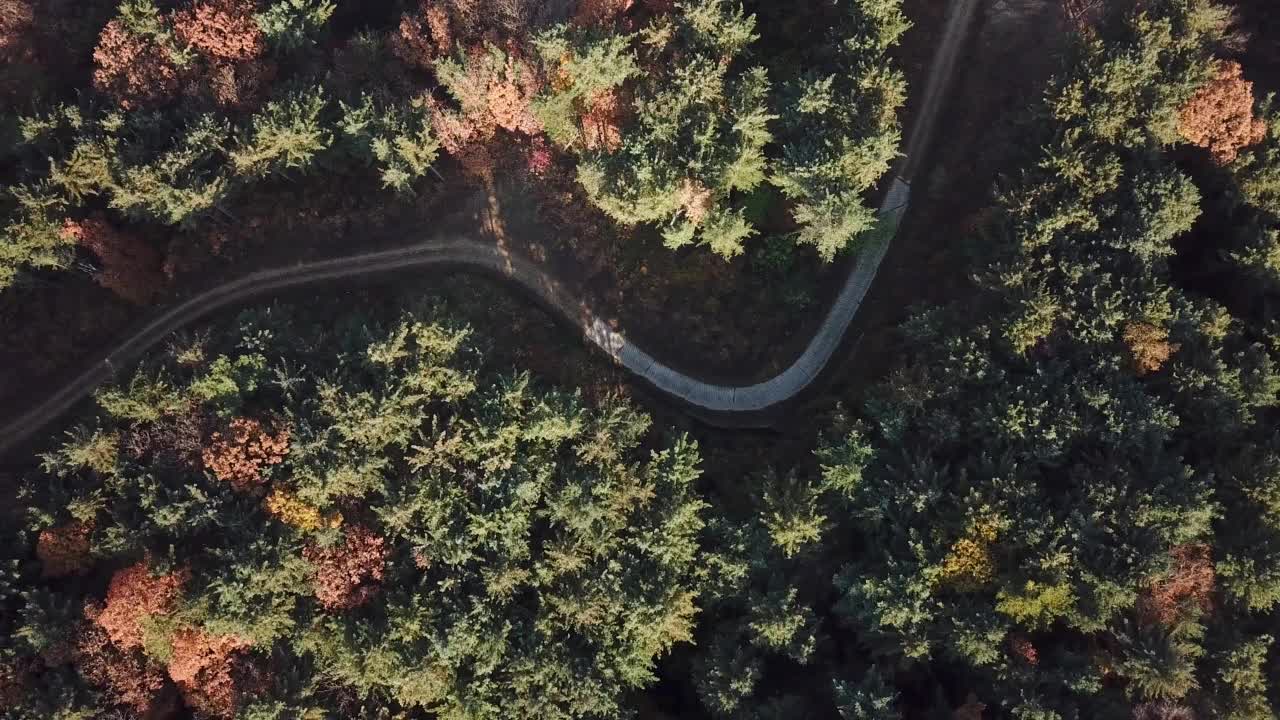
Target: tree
222,30
33,236
697,136
400,145
138,62
348,575
130,266
585,69
840,130
440,536
495,88
239,454
1219,117
291,25
286,135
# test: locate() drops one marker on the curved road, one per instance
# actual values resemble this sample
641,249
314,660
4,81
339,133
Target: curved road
716,399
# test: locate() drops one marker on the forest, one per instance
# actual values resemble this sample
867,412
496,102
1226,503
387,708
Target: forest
1040,482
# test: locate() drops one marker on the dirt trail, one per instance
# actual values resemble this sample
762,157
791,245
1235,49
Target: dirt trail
959,19
714,402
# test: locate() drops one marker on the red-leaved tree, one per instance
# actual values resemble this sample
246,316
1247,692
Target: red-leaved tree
133,595
133,70
204,667
123,674
1219,117
221,29
131,268
348,575
238,454
63,550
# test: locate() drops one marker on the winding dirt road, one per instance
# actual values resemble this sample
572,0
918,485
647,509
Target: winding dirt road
716,400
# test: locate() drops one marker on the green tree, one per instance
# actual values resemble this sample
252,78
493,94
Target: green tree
286,135
839,127
698,135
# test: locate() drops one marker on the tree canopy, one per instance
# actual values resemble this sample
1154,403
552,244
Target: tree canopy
404,521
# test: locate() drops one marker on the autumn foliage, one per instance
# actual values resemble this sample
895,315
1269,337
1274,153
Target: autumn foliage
134,70
221,29
1220,116
1149,346
1022,648
238,454
130,266
1190,580
204,666
63,550
292,511
602,122
16,19
133,595
495,90
422,37
123,673
348,575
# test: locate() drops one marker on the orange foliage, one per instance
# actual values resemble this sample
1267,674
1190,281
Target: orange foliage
493,95
221,29
1191,580
1220,116
508,97
203,667
347,576
133,70
133,595
16,24
423,37
602,122
63,550
123,673
130,266
1149,346
238,454
453,131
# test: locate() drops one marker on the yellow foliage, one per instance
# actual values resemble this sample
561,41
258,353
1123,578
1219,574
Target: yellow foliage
1038,604
292,511
969,565
1150,346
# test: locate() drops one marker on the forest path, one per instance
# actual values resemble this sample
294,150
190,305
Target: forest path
715,402
959,19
